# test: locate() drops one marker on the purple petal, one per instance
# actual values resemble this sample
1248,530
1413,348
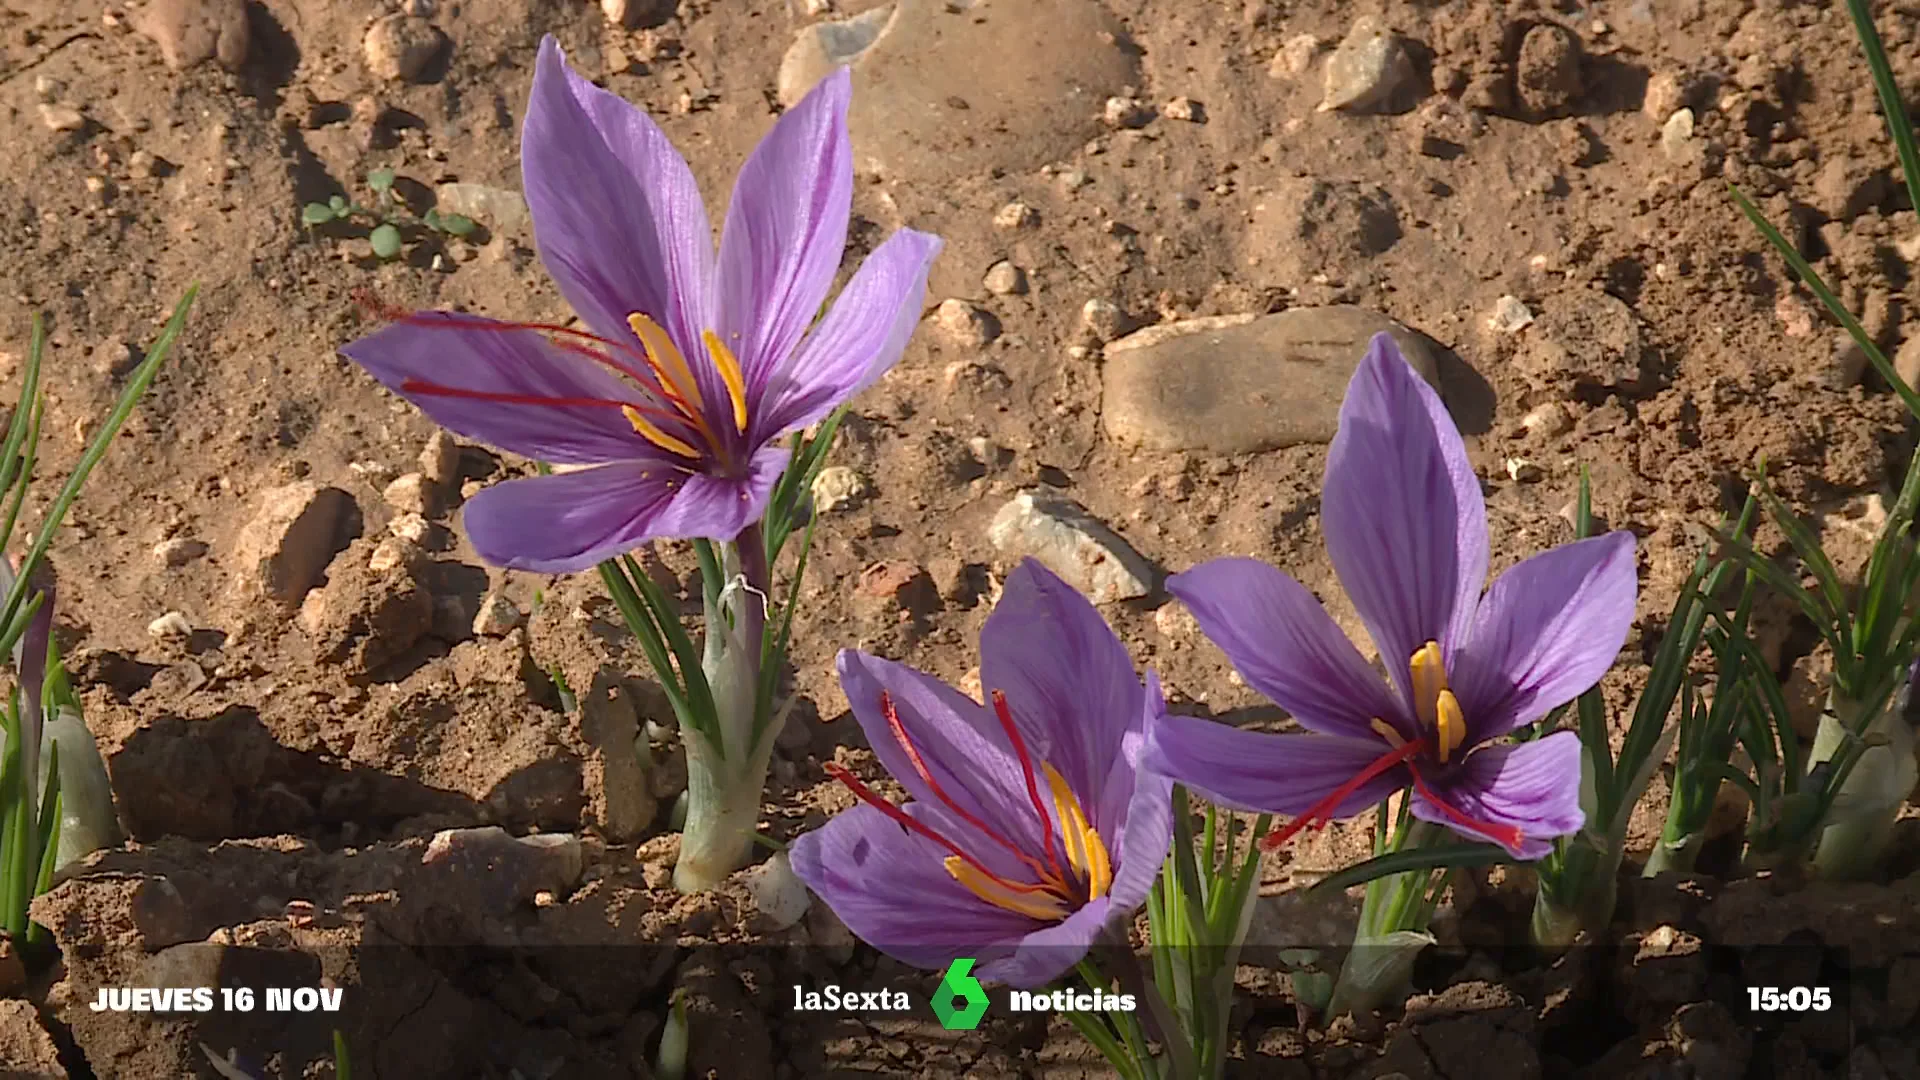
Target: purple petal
1068,681
1286,645
892,889
859,339
569,522
1265,773
1534,787
1547,630
1402,512
1139,837
466,352
616,212
965,752
1046,954
786,229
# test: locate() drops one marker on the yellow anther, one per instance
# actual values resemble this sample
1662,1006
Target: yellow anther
1429,672
1085,851
1044,906
668,365
1385,731
1450,727
729,368
655,436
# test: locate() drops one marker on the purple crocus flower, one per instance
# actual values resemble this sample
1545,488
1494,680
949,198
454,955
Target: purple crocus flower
1406,529
1033,827
690,364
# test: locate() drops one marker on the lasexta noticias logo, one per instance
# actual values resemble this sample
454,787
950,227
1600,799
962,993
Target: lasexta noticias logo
960,1001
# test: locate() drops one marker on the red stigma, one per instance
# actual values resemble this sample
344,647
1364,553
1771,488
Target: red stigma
914,825
1317,815
926,776
1026,768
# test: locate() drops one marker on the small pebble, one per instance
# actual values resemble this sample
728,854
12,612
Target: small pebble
1548,421
498,616
440,459
1367,68
1523,471
409,494
1005,279
1184,108
966,325
410,527
1510,316
62,117
1126,112
391,553
1294,57
171,625
1676,136
1015,215
838,487
178,551
1103,319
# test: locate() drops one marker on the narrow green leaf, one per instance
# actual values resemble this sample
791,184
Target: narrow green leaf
13,468
386,241
137,384
1450,856
1808,548
341,1067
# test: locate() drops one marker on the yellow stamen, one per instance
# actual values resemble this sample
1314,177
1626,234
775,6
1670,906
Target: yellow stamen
1429,672
1085,851
1043,906
668,365
729,369
655,436
1385,731
1450,727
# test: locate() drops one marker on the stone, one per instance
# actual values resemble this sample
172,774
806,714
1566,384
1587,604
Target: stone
178,551
513,869
500,209
1676,137
25,1045
1005,279
1294,57
1510,316
394,552
1667,92
440,460
281,551
965,324
171,625
497,617
399,47
410,494
1367,70
777,892
1103,320
1184,108
838,487
191,32
61,117
1073,544
1015,215
1244,384
1547,71
920,106
1126,112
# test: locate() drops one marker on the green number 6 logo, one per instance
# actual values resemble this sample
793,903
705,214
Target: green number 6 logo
957,987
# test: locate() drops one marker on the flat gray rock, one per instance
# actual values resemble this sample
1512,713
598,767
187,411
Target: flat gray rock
947,90
1072,543
1241,384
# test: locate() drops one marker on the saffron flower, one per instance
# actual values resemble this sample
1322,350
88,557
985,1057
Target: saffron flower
1406,528
1033,827
691,363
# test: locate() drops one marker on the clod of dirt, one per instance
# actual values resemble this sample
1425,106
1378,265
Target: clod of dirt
282,551
1102,320
192,31
440,460
621,803
838,487
1583,337
497,208
1368,70
1547,71
178,552
399,47
1233,385
965,325
363,619
25,1045
1005,279
1072,543
1307,226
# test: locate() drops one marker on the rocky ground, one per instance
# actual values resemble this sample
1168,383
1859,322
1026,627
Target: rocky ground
330,728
